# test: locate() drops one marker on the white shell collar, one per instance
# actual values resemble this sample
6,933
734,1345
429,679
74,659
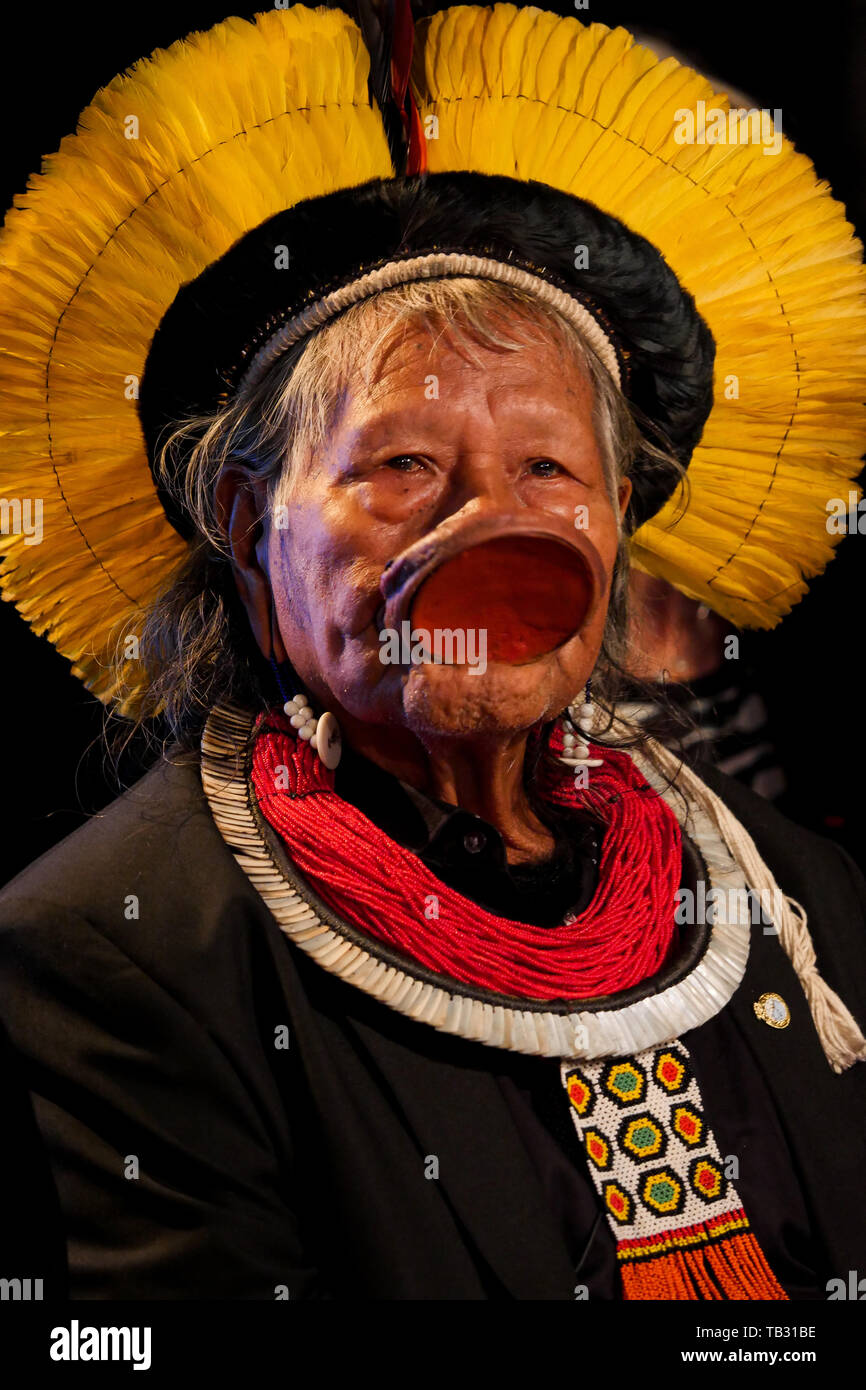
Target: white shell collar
524,1026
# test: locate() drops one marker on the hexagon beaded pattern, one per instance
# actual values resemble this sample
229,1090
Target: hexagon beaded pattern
680,1226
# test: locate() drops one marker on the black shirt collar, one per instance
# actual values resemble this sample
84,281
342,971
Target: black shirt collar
468,854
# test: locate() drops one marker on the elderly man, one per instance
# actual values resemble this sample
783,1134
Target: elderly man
378,983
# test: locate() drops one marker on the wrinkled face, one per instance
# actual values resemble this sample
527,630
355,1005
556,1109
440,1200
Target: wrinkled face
438,447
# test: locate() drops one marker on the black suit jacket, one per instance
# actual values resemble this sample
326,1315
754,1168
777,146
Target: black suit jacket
144,985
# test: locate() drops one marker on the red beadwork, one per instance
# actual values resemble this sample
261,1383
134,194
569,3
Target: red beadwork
622,937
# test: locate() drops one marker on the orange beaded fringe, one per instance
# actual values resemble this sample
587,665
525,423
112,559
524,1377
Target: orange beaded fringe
717,1260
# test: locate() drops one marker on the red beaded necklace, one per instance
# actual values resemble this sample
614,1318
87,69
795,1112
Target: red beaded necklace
384,890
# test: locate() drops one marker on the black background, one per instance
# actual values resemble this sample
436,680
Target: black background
807,62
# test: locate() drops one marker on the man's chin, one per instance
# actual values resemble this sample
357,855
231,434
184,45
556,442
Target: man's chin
467,701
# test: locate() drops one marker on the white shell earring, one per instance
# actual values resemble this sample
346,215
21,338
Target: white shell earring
577,725
322,733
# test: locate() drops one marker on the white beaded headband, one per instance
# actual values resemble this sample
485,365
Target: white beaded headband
435,265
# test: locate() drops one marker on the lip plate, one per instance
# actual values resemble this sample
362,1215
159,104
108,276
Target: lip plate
405,575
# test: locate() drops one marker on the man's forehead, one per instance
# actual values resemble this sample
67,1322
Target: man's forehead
391,413
408,365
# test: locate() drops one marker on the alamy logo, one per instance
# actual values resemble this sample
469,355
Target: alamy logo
712,125
22,517
20,1290
443,646
743,905
76,1343
854,1288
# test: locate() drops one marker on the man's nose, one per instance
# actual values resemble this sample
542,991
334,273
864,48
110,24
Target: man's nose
479,482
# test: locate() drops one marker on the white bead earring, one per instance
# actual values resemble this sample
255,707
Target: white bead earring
323,733
577,724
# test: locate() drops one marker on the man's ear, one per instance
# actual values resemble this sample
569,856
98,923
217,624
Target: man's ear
624,496
241,503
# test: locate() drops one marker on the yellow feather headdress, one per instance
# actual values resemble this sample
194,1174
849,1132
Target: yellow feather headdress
197,145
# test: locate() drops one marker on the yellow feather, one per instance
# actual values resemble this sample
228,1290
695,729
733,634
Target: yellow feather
233,125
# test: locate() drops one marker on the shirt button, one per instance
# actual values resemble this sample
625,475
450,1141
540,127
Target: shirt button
473,842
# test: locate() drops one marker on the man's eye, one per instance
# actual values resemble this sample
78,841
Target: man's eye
405,463
544,468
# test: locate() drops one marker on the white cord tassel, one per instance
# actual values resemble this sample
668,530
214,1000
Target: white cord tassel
840,1035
